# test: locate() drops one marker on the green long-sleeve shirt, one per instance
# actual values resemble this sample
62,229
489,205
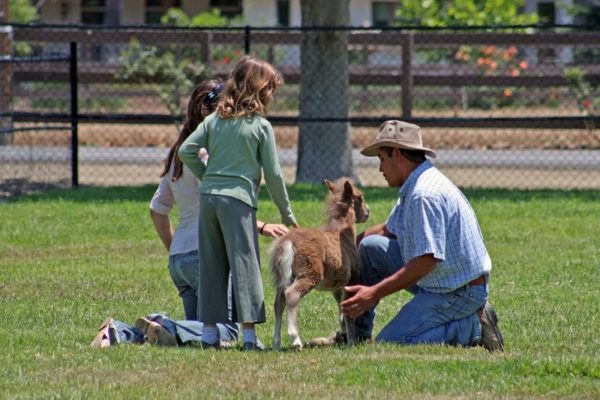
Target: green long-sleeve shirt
238,148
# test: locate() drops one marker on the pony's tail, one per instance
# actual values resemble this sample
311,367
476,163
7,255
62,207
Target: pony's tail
282,256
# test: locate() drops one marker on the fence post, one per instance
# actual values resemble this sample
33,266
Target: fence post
205,47
407,77
74,116
6,84
247,40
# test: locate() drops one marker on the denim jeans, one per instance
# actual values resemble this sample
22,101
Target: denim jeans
191,331
186,332
183,269
441,318
125,333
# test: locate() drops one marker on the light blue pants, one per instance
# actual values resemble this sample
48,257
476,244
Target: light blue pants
183,269
186,332
436,318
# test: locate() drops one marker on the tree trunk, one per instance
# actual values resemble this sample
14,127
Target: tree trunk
324,148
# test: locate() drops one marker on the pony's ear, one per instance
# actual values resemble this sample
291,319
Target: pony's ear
329,184
348,189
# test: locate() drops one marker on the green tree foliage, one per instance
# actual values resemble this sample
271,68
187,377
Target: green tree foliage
464,12
211,18
21,11
485,60
586,94
171,72
170,76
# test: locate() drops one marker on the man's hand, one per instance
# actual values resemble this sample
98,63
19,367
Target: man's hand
360,299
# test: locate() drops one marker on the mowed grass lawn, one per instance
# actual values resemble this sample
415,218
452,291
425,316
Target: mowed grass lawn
69,259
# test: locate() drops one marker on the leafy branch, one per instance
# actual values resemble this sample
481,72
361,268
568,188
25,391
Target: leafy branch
170,76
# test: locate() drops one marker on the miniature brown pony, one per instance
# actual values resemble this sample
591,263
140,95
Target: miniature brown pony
322,259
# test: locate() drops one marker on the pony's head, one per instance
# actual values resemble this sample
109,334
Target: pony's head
346,200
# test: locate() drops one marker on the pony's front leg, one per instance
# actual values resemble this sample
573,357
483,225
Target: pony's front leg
346,323
350,330
278,307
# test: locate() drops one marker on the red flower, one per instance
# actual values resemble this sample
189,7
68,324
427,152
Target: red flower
586,103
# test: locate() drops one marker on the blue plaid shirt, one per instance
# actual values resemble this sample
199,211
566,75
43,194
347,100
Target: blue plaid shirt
432,216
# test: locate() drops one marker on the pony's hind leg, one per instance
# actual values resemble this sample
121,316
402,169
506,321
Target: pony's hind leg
293,294
278,307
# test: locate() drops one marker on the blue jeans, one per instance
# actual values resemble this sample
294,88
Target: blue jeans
440,318
189,331
183,269
125,333
186,332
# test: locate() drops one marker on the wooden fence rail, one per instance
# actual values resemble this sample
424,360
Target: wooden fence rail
405,45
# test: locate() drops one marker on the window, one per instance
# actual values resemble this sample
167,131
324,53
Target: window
546,13
384,13
228,8
155,9
92,12
283,12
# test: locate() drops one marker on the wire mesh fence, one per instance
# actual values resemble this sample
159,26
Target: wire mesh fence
508,108
33,155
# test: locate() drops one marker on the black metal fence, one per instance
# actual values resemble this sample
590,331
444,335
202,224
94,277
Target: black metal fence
504,108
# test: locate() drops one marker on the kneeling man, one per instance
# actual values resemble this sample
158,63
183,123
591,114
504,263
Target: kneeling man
430,245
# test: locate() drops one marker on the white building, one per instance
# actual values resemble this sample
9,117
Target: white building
253,12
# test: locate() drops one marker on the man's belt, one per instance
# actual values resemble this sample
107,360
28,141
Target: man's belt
477,281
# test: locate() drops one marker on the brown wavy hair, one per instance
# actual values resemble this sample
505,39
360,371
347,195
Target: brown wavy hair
202,103
250,88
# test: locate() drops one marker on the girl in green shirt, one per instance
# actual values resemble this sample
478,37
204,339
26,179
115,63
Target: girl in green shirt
241,144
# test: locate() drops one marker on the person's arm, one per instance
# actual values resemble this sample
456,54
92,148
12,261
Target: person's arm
162,224
271,230
160,206
274,177
361,298
378,229
189,151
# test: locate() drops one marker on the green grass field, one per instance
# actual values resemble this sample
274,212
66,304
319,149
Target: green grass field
69,259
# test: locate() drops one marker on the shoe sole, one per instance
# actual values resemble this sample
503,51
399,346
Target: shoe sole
103,339
215,346
155,333
493,319
252,347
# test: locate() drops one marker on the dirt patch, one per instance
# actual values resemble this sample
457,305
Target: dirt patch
120,135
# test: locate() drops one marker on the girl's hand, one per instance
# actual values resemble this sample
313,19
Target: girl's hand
274,230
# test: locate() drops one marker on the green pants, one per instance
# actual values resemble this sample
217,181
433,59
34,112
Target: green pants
228,242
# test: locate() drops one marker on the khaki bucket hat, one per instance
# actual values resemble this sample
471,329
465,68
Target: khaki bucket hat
400,134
